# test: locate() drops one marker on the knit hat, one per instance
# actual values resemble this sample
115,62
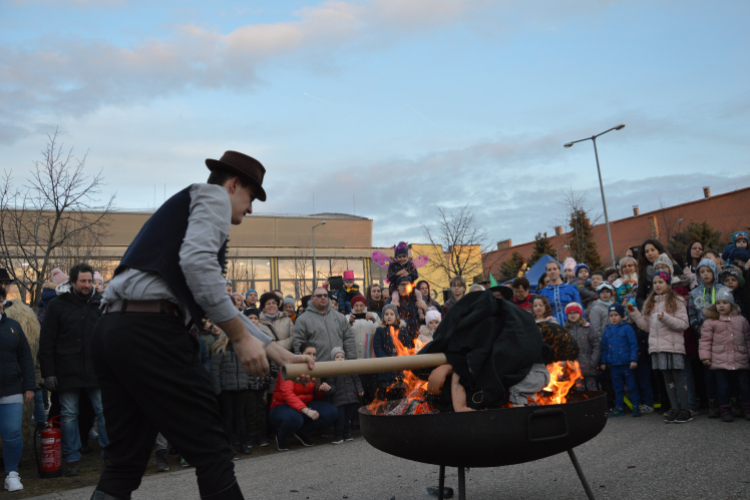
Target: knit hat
663,275
392,307
289,300
337,350
740,235
579,267
732,271
59,277
348,275
605,286
98,277
725,294
569,263
618,309
432,315
401,249
252,310
665,260
404,279
359,298
251,290
574,307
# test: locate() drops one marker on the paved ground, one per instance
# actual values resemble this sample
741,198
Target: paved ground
631,459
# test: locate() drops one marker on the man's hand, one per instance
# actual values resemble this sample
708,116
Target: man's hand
28,396
50,383
633,365
325,387
252,355
283,357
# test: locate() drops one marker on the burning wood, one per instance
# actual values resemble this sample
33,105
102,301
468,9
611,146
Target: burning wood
563,376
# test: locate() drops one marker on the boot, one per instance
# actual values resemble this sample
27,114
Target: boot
726,413
713,409
746,409
734,404
161,461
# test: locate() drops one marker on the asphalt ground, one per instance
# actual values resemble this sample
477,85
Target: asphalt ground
630,459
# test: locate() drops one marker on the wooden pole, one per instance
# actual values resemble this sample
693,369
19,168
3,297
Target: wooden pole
364,366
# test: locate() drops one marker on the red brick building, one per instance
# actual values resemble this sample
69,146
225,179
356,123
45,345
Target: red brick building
726,212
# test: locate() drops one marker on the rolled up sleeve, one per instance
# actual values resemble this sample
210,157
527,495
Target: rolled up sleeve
208,228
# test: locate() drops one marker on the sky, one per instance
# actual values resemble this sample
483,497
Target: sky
388,108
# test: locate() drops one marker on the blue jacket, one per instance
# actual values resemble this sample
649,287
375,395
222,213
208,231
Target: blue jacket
16,363
560,296
619,345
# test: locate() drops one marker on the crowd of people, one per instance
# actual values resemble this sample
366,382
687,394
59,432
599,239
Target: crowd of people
671,331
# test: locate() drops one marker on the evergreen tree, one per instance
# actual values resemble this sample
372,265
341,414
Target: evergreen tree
509,269
703,232
542,247
580,241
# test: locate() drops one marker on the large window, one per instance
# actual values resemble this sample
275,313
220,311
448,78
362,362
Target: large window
249,274
296,275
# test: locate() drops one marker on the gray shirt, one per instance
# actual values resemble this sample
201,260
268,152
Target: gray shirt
208,227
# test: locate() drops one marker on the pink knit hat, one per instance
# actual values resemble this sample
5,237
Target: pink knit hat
98,277
569,263
59,277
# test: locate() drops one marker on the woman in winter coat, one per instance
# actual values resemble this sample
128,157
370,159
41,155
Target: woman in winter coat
230,382
275,322
375,299
589,346
724,347
665,319
16,388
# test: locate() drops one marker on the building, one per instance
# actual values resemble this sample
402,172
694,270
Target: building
726,212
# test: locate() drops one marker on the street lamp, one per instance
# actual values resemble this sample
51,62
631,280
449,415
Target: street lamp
601,185
315,275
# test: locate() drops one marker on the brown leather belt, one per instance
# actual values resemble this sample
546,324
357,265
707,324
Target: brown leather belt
142,306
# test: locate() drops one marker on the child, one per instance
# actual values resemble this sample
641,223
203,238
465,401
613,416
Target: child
620,352
230,382
521,295
345,295
569,270
628,282
589,346
383,347
581,282
724,348
731,277
432,319
665,319
542,311
597,278
563,346
401,267
737,254
611,274
343,392
598,312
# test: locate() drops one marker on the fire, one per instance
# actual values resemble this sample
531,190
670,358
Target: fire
409,288
413,387
563,376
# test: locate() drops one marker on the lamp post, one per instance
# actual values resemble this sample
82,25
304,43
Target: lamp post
601,185
315,273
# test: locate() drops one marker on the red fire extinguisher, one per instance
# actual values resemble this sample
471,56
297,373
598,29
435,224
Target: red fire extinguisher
50,464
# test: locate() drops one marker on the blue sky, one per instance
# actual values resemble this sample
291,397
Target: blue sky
395,105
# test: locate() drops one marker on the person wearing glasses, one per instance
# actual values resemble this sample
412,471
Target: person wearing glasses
324,327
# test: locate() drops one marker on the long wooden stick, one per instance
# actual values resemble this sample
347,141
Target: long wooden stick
364,366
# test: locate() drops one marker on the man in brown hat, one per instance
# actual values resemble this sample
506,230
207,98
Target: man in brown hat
147,361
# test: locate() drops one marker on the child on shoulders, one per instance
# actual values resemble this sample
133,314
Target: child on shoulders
402,266
581,282
738,253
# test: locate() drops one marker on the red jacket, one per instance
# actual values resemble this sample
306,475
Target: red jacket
526,304
294,395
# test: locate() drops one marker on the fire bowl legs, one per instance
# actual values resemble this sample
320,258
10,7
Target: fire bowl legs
574,459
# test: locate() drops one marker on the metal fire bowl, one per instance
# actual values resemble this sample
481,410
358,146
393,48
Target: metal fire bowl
489,438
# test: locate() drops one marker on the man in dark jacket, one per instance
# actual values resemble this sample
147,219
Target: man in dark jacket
65,358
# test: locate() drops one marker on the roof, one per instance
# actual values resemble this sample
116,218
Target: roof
727,212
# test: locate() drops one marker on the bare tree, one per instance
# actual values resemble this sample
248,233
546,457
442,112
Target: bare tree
579,239
462,242
301,270
53,217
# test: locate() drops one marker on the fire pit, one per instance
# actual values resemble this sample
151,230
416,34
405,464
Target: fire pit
489,438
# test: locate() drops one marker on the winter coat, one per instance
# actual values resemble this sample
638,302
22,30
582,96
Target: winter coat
24,315
280,330
701,296
344,390
563,345
619,345
326,331
726,341
450,303
16,362
227,373
392,274
599,316
526,304
294,395
735,255
383,347
560,296
205,358
584,290
67,332
589,347
666,334
363,331
48,294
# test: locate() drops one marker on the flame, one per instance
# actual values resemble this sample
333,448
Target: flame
409,288
413,387
563,376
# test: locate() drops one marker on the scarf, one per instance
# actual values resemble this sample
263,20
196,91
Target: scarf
272,317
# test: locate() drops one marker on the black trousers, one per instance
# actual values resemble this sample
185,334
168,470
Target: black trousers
152,381
255,413
232,404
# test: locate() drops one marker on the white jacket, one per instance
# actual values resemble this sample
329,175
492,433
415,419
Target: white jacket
363,331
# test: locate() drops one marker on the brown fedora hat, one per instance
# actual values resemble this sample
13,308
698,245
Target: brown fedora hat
244,166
